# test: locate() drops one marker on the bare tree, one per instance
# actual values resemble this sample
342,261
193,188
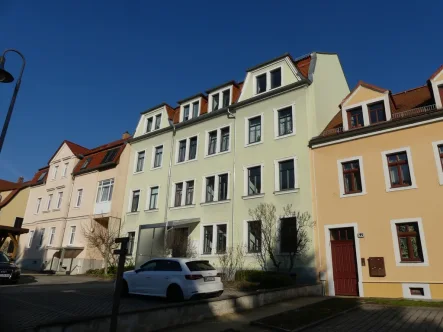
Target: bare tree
178,244
101,235
286,233
231,261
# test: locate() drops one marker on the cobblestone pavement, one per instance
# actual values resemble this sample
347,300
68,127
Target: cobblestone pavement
383,319
44,299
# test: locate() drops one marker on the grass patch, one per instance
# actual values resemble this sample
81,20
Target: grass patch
402,302
295,319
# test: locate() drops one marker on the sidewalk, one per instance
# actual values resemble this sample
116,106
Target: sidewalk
240,322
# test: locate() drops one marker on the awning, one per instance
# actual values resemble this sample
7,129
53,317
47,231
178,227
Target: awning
172,223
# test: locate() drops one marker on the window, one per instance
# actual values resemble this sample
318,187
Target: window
275,78
215,102
286,174
86,163
195,107
54,172
140,161
351,177
210,187
417,291
221,239
224,144
182,151
158,120
409,242
30,238
104,193
39,202
109,156
212,146
178,194
167,265
72,235
42,235
48,207
131,236
254,130
153,198
135,199
399,169
254,180
59,200
261,83
223,187
285,124
186,113
377,112
41,177
149,125
254,236
437,147
288,235
440,154
189,192
226,98
51,236
65,170
158,156
192,148
355,118
207,239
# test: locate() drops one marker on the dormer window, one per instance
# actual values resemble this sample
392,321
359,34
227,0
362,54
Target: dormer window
149,125
186,113
153,122
195,107
355,118
276,78
190,110
377,112
215,102
158,119
261,83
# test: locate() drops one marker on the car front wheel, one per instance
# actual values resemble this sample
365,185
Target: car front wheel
174,293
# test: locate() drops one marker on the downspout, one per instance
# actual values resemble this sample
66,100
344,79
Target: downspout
316,208
169,181
232,116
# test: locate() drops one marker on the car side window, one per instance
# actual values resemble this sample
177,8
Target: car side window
149,266
166,265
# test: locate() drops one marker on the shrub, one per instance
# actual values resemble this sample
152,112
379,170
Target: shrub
265,279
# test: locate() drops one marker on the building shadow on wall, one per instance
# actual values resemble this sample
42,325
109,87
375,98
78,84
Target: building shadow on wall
32,254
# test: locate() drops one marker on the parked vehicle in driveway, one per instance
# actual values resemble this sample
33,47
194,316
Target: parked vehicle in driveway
9,272
173,278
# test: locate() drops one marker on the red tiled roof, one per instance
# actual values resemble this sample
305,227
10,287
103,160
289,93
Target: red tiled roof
15,188
75,148
303,65
8,185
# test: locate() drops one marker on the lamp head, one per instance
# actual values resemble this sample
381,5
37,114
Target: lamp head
5,76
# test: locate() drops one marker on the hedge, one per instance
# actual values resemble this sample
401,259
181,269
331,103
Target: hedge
265,279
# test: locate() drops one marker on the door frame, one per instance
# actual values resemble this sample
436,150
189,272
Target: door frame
331,286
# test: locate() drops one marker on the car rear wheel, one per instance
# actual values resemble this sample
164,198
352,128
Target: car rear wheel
174,293
125,289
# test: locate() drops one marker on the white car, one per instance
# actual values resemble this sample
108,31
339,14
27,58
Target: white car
173,278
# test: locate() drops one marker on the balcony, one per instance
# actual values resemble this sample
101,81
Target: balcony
395,116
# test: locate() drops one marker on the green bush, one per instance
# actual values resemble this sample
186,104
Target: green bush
265,279
112,270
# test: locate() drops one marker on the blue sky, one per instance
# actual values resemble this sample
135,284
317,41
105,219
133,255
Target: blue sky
93,66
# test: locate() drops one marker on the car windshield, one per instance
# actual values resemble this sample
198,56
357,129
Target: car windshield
3,258
200,266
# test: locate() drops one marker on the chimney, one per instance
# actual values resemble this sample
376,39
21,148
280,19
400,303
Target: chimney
20,179
126,135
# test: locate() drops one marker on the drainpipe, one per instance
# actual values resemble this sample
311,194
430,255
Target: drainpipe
171,123
232,116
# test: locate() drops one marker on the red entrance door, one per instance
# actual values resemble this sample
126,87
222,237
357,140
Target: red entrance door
344,267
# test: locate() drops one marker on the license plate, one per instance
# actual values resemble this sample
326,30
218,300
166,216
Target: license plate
4,275
209,278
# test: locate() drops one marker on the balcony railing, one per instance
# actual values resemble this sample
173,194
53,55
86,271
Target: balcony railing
395,116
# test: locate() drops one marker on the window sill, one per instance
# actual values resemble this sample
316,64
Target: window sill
401,188
288,191
352,194
151,210
181,207
216,202
247,145
409,264
139,172
132,213
76,207
253,196
53,210
46,211
285,136
155,168
217,154
185,161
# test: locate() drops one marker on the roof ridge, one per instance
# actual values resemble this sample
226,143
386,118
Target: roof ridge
418,87
106,146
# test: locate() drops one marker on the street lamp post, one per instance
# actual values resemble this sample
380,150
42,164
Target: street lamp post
6,77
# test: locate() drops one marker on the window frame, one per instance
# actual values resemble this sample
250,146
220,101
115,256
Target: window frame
267,71
131,244
100,185
406,288
183,204
153,155
30,238
54,172
246,237
262,123
49,202
219,141
153,116
277,122
79,195
277,190
59,200
159,115
246,181
148,200
384,155
42,237
280,237
349,116
65,169
38,205
220,96
190,103
51,235
421,235
341,179
131,196
214,238
216,199
71,239
187,149
438,162
369,111
136,161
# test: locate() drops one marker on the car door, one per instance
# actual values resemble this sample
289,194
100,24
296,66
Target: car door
167,272
143,280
